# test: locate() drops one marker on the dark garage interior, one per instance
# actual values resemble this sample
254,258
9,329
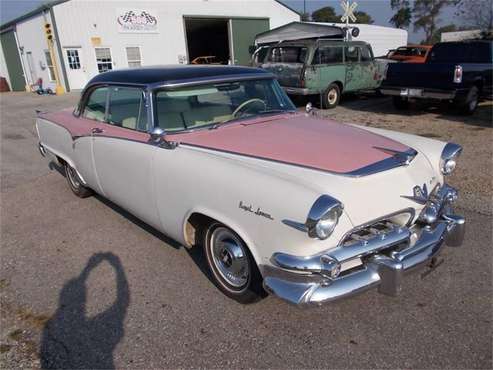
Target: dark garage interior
207,37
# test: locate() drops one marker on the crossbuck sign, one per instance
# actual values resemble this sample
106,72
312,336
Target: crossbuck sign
348,9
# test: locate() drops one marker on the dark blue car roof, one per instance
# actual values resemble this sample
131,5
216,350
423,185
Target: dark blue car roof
174,73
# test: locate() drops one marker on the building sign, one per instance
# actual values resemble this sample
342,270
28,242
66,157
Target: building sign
137,21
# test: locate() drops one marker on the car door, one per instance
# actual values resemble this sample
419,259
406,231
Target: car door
123,155
328,62
354,68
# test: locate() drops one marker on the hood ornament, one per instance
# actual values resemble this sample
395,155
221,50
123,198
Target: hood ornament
420,194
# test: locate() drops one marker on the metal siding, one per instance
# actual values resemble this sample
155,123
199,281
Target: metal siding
244,32
13,61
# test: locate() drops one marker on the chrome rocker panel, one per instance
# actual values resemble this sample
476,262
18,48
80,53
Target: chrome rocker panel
307,280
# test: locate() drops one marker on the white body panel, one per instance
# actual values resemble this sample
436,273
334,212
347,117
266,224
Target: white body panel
165,186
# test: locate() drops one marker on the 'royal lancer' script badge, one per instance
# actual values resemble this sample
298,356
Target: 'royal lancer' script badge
420,194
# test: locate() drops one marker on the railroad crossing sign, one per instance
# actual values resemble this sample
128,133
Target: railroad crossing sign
348,9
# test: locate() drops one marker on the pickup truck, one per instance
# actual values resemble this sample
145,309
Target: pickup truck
459,72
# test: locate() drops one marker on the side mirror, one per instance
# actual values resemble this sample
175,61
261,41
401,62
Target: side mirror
309,108
157,134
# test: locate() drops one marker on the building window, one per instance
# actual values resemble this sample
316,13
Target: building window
133,56
49,65
73,59
103,59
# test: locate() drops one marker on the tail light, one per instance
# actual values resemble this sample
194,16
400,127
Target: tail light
458,74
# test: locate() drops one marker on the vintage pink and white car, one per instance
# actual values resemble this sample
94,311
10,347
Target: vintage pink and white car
308,209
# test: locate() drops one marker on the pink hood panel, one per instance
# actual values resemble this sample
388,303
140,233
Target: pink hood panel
299,140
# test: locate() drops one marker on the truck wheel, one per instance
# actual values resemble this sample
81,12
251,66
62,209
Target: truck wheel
331,97
75,182
233,268
471,102
400,103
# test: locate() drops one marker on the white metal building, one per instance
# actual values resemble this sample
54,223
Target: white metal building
94,36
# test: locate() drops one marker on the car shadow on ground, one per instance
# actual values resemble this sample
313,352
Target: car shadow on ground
70,339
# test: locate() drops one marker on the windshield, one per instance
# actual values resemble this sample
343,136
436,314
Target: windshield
211,105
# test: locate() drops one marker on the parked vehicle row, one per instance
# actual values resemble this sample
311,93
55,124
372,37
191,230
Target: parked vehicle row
458,72
217,157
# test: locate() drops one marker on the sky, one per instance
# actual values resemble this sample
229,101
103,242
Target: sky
379,10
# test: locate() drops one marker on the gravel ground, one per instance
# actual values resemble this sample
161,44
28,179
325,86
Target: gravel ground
85,284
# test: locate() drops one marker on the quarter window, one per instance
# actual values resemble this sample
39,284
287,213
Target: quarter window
288,54
49,65
328,55
103,59
96,105
133,56
352,53
127,108
366,54
73,59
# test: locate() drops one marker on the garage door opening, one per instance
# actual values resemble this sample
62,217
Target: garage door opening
206,38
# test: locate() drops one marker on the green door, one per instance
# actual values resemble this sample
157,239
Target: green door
244,31
13,61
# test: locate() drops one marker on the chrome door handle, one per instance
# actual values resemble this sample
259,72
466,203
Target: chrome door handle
97,130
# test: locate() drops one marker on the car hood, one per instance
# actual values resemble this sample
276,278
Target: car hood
304,141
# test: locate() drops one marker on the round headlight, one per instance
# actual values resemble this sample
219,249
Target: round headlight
448,159
326,225
323,217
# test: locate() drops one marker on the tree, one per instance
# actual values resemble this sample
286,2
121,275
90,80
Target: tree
363,17
437,35
402,17
476,13
426,16
326,14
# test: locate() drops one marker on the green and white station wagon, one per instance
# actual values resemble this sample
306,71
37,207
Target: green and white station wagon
327,67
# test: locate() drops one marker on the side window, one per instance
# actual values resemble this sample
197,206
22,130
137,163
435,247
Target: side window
127,108
96,105
328,55
352,54
366,54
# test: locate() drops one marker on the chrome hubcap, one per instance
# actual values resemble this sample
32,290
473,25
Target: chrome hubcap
229,257
332,96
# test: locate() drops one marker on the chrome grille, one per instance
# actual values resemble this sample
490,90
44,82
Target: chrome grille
368,232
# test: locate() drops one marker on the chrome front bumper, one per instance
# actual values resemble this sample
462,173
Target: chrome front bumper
385,258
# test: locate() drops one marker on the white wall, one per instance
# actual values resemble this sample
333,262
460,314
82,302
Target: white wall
31,37
80,20
381,39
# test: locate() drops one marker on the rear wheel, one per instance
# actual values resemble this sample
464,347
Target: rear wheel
471,102
233,268
75,182
400,103
331,97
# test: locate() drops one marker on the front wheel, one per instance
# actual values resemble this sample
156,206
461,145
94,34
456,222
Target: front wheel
75,182
331,97
233,268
